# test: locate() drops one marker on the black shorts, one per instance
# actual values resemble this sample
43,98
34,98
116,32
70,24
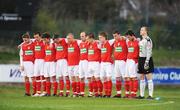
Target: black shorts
141,69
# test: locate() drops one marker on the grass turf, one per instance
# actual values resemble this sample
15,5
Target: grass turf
11,98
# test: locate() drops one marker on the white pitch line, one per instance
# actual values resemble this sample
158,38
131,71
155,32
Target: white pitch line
98,106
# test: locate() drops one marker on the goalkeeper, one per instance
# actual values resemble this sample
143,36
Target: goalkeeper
145,63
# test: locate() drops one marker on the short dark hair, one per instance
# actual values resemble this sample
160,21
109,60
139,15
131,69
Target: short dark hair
130,32
91,35
55,35
26,36
46,35
104,34
39,33
116,32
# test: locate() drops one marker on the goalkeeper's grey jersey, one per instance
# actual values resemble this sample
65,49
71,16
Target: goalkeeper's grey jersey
146,48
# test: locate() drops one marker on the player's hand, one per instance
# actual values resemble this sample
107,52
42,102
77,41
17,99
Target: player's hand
21,68
146,65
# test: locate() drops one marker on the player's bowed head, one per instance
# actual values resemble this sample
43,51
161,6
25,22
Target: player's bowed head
37,36
26,38
130,35
46,37
90,37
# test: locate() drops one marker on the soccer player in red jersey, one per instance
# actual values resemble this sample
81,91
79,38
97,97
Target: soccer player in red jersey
106,63
39,54
49,65
26,62
61,64
131,81
83,64
73,62
120,56
94,57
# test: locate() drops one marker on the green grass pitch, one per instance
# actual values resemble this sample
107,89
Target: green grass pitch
12,98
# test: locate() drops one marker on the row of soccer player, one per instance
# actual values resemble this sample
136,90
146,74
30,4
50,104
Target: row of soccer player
45,59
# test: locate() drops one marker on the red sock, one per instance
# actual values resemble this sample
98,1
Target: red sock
135,87
27,87
95,88
100,87
90,87
48,87
38,84
34,87
105,88
78,87
118,87
67,86
131,87
43,83
55,86
82,87
126,88
61,85
109,88
74,87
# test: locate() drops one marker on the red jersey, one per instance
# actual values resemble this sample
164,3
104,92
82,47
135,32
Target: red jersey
133,50
61,50
39,52
73,53
28,52
83,50
120,50
50,52
106,52
94,53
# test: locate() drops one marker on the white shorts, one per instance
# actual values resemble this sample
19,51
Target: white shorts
131,68
119,68
106,70
93,69
39,67
83,67
49,69
61,68
28,69
73,70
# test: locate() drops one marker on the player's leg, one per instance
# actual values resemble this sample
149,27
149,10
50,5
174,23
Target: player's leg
142,85
61,86
150,85
108,75
127,79
64,69
43,82
89,77
142,77
59,74
29,69
104,80
53,77
27,86
97,83
47,79
118,79
73,79
68,83
81,77
76,74
149,77
133,79
37,78
55,85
